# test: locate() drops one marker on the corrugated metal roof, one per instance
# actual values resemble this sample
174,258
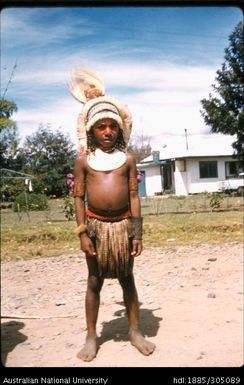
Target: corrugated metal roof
198,146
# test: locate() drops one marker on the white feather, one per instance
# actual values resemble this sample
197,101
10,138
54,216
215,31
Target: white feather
85,85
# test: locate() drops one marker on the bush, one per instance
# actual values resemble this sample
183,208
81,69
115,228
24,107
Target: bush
215,199
68,208
30,202
11,188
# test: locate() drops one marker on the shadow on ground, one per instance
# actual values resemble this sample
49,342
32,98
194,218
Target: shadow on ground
117,329
10,338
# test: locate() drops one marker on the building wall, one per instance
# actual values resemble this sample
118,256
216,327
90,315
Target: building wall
195,184
181,185
181,177
186,177
153,180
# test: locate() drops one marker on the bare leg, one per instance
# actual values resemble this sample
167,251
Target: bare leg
94,285
132,308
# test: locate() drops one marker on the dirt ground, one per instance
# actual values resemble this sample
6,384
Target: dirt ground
191,307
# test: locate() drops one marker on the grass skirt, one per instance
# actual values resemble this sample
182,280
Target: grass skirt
112,242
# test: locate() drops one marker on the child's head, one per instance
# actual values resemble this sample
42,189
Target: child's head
104,111
88,88
107,135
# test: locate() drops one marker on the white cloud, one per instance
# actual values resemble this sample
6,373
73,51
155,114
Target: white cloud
164,98
149,78
157,77
164,102
33,31
61,115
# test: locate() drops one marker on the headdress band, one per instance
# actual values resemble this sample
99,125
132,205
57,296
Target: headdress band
101,107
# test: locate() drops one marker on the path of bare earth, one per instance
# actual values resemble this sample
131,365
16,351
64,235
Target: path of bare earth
191,307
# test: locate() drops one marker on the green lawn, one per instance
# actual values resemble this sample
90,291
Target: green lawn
48,233
193,227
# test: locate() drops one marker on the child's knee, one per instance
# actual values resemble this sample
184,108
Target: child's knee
94,283
127,281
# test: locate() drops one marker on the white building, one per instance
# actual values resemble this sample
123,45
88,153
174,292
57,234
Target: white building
189,165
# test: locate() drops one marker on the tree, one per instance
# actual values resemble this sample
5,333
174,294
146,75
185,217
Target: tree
225,112
8,134
140,146
49,157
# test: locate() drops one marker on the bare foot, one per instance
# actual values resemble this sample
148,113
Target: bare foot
144,346
89,351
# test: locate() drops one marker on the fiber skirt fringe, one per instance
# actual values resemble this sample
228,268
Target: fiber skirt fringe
113,246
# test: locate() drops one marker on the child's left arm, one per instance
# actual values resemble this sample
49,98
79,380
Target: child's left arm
135,207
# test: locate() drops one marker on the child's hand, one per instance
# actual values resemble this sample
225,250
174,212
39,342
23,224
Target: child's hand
86,245
136,247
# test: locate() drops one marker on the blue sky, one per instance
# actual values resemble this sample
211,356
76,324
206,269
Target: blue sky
160,61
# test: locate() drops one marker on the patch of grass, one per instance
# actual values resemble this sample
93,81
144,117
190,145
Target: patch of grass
37,233
191,203
193,227
54,213
39,240
39,237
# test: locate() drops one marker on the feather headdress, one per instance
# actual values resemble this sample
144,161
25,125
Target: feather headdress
86,85
88,88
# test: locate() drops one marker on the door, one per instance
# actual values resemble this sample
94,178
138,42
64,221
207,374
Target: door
142,184
166,173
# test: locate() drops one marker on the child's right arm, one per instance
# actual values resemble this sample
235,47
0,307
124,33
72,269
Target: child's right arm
79,197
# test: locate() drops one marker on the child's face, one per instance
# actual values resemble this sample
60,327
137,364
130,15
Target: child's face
106,133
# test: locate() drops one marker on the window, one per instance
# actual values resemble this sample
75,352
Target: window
231,169
208,169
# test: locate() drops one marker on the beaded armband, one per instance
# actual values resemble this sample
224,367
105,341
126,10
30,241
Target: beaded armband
137,227
133,184
80,229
